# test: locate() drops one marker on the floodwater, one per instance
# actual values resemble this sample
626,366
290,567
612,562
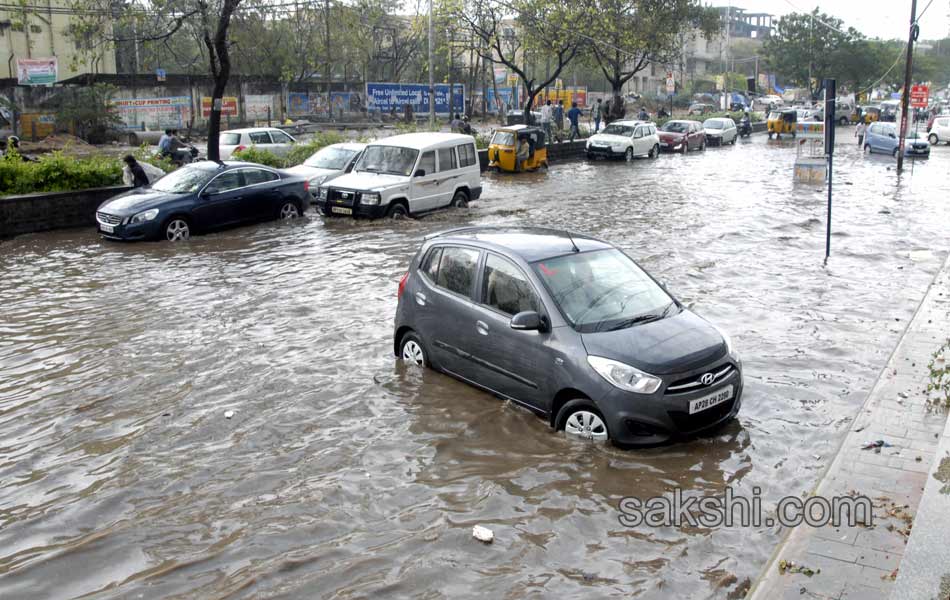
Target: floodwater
345,474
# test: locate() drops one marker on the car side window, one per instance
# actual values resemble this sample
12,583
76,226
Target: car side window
255,176
430,265
427,162
505,288
230,180
457,270
467,156
281,138
259,137
638,132
447,160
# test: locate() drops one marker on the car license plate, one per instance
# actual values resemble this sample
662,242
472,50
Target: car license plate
711,400
106,228
341,210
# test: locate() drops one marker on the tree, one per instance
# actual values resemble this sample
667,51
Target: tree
632,34
89,111
804,47
512,32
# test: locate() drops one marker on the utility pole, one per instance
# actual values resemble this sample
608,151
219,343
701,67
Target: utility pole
431,71
905,97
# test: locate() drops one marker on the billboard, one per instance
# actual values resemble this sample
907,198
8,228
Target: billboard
389,97
298,103
346,102
259,107
36,71
229,106
172,112
568,95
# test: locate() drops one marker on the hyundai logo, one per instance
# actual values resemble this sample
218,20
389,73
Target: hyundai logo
344,195
707,379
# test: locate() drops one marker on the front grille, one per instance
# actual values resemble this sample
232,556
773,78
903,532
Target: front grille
693,382
688,423
342,197
108,219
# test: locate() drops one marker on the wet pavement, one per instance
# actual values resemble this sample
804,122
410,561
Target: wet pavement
345,474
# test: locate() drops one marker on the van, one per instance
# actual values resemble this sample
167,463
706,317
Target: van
406,175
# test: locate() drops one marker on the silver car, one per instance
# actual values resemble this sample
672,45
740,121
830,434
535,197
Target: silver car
720,131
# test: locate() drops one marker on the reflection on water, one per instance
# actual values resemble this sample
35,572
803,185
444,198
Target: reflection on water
345,472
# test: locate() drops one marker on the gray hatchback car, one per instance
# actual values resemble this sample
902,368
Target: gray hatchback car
569,327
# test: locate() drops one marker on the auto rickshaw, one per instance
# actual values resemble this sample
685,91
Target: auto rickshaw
782,120
504,145
868,114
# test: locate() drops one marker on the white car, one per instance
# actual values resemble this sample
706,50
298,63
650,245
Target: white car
406,175
626,139
720,132
263,138
327,164
940,132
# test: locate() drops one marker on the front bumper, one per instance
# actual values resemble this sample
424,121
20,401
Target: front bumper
671,146
604,151
149,230
917,151
714,140
356,210
638,420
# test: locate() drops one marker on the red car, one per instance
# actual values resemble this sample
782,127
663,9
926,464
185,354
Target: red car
682,136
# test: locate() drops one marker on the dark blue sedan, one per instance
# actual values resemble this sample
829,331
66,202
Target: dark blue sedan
201,197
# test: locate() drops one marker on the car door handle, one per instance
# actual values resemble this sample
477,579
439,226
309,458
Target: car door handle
420,299
481,327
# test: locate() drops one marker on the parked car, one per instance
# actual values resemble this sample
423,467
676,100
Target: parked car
262,138
698,108
328,163
882,137
939,133
682,136
569,327
720,132
200,197
406,175
626,139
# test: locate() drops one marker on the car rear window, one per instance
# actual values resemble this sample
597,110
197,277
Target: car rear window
229,139
255,176
467,156
457,270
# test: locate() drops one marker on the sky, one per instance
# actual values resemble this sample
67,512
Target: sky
874,18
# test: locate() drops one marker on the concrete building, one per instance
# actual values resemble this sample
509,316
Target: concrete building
43,29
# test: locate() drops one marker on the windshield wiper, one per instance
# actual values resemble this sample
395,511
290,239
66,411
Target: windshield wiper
645,318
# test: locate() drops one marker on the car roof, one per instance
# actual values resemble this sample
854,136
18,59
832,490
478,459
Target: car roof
629,122
347,146
529,243
252,130
210,165
419,141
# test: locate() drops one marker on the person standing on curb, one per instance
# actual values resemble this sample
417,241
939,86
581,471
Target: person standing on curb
547,111
859,132
559,118
573,115
597,109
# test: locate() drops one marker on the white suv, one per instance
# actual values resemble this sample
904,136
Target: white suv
262,138
940,132
405,175
626,139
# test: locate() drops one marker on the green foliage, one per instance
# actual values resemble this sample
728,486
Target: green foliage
938,388
482,140
89,111
262,157
802,46
57,172
301,152
144,154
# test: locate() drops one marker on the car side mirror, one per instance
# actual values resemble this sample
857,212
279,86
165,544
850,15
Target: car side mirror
528,320
892,135
420,173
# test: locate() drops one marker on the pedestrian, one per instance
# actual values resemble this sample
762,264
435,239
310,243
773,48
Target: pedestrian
456,123
559,118
643,115
597,109
859,132
573,115
133,174
164,143
547,113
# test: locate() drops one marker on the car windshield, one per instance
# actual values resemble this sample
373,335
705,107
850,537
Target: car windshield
388,159
330,158
676,127
187,179
602,290
503,138
615,129
775,116
714,124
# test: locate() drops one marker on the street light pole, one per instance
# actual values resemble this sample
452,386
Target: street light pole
431,72
905,97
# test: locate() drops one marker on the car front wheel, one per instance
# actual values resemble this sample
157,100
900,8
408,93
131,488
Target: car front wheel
177,229
628,154
397,210
579,418
895,152
933,139
411,350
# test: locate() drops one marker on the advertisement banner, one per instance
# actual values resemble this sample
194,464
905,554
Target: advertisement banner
810,130
389,97
501,75
259,107
36,71
229,106
505,98
346,102
568,95
319,104
173,112
298,103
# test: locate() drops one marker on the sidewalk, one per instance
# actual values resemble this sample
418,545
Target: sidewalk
863,562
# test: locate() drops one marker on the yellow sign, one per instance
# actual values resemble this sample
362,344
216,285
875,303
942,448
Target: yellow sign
720,82
513,79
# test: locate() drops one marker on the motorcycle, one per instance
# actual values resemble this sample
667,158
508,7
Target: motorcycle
745,128
182,156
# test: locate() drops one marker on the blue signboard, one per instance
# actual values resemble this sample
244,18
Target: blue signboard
386,97
505,94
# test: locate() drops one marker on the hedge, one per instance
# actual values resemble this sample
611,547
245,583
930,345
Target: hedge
299,153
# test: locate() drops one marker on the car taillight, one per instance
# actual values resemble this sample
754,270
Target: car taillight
240,148
306,185
402,285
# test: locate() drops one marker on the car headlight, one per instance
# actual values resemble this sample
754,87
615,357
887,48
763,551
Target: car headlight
624,376
730,348
142,217
317,181
370,199
323,193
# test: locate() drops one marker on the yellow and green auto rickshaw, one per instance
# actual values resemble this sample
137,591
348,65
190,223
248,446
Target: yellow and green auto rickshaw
869,114
782,120
517,148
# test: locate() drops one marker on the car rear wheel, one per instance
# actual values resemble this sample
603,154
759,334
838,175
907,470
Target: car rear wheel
460,200
177,229
628,154
397,210
843,120
289,210
411,350
867,149
933,139
894,153
655,151
578,418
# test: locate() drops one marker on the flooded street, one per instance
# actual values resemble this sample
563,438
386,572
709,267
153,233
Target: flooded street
346,474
